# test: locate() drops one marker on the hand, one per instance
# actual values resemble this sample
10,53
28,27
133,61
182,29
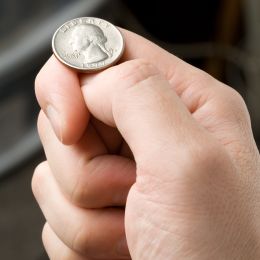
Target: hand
152,159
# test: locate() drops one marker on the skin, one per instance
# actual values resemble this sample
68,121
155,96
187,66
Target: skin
149,159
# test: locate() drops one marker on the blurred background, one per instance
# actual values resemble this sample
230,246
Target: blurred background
219,36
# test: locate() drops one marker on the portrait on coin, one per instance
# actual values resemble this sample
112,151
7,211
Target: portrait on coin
88,40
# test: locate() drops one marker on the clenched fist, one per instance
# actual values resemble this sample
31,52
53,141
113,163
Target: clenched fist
149,159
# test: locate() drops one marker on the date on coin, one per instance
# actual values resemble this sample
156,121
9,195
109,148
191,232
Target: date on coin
88,44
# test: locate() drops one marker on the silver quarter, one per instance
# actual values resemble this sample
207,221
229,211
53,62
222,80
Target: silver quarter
88,44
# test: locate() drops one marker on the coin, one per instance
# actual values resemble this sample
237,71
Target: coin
88,44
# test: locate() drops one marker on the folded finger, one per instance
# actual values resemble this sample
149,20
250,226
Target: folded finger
86,174
57,250
93,233
59,95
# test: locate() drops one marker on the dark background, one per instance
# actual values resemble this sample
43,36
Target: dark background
219,36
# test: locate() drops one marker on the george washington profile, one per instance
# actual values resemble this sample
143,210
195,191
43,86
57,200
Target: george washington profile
89,41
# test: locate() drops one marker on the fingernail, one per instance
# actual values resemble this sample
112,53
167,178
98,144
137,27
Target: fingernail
55,119
122,248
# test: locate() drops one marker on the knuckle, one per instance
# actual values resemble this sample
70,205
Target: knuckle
45,232
134,77
38,84
135,71
232,105
48,237
234,96
199,77
40,121
42,126
38,177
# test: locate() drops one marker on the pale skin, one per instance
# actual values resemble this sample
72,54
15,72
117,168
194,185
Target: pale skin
187,188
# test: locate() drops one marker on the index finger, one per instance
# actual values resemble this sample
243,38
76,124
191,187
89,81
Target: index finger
58,88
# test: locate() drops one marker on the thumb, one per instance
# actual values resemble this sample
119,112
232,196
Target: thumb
138,100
